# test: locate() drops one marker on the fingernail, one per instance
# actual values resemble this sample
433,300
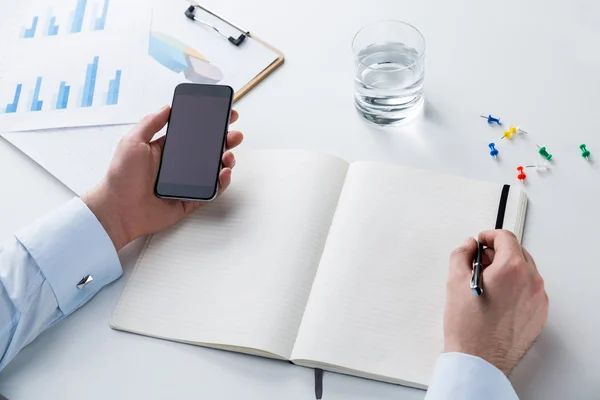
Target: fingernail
164,108
233,164
468,240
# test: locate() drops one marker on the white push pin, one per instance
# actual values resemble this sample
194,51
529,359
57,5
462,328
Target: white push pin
545,167
520,131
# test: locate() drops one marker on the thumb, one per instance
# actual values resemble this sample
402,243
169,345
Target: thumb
461,259
150,125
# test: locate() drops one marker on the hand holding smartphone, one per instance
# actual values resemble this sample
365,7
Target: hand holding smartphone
195,142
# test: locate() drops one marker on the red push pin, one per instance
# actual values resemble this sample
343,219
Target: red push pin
522,175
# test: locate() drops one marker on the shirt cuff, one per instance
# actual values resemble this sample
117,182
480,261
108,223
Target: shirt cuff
68,245
460,376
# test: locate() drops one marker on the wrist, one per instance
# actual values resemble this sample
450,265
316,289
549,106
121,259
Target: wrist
100,204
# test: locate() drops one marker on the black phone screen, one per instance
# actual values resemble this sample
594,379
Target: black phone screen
191,159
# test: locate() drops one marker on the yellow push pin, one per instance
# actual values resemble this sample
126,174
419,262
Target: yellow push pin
507,134
513,130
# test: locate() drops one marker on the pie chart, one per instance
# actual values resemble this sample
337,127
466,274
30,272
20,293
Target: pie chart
179,57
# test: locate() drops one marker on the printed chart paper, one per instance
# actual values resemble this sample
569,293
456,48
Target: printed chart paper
76,63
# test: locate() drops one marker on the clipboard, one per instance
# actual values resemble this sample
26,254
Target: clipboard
260,77
266,72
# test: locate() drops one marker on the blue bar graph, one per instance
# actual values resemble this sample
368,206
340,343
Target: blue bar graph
78,16
89,87
36,104
12,108
60,101
101,22
113,90
52,27
63,96
30,32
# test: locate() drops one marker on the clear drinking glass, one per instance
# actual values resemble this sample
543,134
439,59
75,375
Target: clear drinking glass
389,59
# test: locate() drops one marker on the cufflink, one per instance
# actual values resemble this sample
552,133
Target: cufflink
84,281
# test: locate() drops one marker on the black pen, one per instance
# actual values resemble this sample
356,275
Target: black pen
476,277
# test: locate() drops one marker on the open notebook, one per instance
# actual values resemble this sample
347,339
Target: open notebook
310,259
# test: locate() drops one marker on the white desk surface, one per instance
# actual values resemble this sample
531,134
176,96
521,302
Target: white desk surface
533,63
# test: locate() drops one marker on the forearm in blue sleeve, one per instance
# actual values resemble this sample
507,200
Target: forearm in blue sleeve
40,271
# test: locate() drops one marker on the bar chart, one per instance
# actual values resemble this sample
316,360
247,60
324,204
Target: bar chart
73,63
83,16
63,97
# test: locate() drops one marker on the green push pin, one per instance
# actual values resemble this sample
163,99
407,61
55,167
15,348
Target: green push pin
544,153
585,153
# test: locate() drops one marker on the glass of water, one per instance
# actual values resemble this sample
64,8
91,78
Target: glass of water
389,58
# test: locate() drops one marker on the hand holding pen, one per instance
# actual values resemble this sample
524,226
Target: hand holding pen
501,324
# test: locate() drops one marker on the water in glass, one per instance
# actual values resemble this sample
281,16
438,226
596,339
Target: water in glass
389,83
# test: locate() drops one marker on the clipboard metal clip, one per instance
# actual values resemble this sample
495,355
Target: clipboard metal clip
191,14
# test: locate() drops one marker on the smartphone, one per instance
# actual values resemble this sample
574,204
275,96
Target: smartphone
195,140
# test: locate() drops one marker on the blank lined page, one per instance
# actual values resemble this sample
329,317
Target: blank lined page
377,303
238,271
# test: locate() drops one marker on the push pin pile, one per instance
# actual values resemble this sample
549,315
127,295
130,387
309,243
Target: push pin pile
542,150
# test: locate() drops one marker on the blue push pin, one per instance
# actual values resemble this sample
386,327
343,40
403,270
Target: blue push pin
493,150
491,119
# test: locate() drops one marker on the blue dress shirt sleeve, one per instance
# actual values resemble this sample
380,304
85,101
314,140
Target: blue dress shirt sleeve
460,376
40,271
